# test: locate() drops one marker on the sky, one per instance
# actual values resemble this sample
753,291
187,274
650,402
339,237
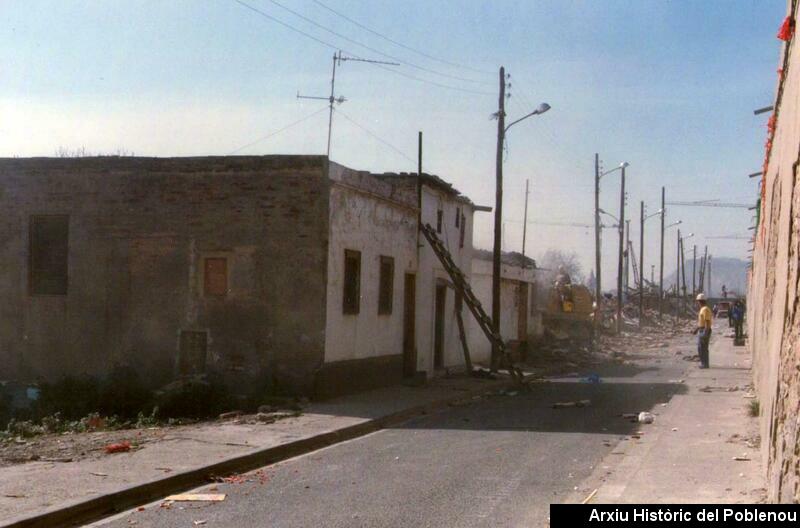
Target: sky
668,86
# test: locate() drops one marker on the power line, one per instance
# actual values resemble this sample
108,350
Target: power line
376,136
370,48
334,47
404,46
287,127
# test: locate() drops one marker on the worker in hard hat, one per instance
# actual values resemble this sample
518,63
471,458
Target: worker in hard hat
704,319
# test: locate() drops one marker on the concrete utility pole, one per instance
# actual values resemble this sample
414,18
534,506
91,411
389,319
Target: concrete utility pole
598,290
710,287
627,260
661,260
683,271
621,241
641,264
677,275
498,218
525,224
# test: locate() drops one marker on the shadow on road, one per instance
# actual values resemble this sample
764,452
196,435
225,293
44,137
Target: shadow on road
533,410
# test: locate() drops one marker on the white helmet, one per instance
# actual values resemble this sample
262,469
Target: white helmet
701,297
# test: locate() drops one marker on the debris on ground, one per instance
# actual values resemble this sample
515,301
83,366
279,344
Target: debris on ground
567,405
120,447
196,497
646,417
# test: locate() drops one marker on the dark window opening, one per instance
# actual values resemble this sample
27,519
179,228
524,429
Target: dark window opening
352,282
463,232
216,276
439,215
386,286
48,254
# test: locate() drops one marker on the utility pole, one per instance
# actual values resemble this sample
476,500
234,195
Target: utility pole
498,219
661,259
525,224
694,263
652,273
598,290
641,264
710,287
627,259
419,153
621,241
683,272
677,275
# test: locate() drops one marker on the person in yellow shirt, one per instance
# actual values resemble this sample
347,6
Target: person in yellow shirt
704,319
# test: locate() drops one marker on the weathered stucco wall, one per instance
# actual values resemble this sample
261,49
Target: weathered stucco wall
432,273
377,219
774,292
510,299
139,231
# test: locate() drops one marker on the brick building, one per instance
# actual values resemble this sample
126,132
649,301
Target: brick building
273,270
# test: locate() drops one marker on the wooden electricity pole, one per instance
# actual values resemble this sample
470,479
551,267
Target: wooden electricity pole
498,218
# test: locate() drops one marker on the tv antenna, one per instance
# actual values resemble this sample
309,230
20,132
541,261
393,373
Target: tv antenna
338,58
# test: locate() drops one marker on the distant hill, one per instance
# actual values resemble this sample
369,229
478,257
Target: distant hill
728,271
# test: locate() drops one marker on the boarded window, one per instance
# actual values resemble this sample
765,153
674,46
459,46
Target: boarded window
458,216
48,254
463,232
192,352
386,290
352,282
215,272
439,216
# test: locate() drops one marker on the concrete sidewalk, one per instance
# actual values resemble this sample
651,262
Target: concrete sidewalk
47,493
688,454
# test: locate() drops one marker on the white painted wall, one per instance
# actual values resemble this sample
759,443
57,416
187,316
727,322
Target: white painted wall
367,215
480,348
431,271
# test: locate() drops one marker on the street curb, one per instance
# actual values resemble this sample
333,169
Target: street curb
91,510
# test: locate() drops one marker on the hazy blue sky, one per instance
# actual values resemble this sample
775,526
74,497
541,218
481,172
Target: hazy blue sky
669,86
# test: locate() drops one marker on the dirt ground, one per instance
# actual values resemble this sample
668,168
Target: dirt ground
74,446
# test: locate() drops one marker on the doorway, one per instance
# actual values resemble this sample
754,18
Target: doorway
409,325
438,328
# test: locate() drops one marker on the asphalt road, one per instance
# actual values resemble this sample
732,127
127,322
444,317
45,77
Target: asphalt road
497,462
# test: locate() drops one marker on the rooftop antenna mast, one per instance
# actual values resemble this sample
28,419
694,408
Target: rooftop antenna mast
338,58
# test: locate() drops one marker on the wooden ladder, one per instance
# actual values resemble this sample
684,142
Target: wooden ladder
463,288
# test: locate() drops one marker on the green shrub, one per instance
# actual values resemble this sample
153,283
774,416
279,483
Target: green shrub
193,397
123,394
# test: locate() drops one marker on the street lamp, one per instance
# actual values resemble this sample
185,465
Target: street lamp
621,226
502,128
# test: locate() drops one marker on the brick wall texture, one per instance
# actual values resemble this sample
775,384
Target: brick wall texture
139,231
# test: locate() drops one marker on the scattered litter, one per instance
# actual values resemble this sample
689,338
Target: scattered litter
164,469
676,381
566,405
646,417
674,429
749,396
630,416
120,447
593,378
589,498
741,458
14,496
197,497
229,415
512,393
98,474
198,523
